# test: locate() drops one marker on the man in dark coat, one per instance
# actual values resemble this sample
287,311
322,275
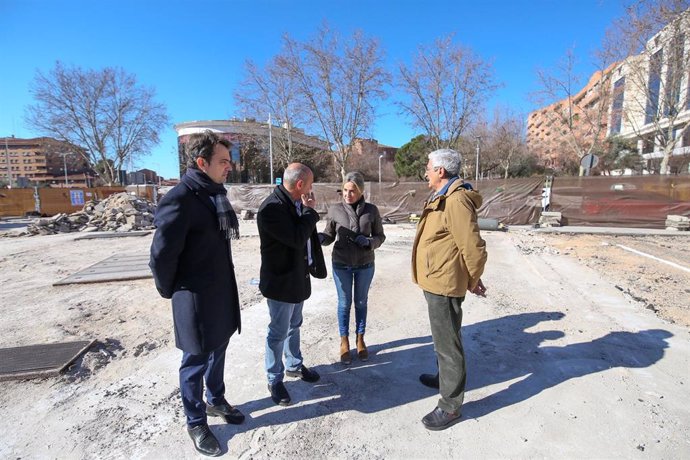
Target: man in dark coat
191,260
290,253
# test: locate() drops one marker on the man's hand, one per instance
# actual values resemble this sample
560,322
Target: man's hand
479,289
309,200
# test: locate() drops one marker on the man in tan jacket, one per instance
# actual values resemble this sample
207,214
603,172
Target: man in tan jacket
448,258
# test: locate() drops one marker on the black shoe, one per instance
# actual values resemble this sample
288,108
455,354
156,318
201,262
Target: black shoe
305,374
279,394
438,419
429,380
225,410
204,441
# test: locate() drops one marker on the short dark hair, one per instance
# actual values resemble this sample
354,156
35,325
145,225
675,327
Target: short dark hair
202,145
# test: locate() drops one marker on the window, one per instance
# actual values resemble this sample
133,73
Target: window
674,75
687,94
617,105
654,84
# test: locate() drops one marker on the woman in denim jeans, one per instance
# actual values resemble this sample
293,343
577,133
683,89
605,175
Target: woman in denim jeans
356,227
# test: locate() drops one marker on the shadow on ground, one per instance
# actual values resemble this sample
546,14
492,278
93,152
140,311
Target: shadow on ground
498,350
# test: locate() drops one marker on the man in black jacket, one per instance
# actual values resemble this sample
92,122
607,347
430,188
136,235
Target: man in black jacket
192,264
290,253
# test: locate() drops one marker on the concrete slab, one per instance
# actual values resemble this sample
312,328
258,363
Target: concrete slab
93,235
604,230
120,267
44,360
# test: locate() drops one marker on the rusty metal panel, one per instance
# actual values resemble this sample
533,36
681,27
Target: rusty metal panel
120,267
39,360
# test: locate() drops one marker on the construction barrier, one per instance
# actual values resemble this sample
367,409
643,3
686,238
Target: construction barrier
51,201
618,201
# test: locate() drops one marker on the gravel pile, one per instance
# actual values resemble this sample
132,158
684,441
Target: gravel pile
120,212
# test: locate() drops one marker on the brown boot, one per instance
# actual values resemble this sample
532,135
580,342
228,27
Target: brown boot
345,357
362,352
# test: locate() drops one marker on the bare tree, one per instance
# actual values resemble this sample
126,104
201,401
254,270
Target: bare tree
446,87
652,41
339,80
273,91
577,116
104,112
506,140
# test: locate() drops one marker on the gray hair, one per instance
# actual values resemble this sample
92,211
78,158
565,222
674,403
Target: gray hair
356,178
295,172
447,159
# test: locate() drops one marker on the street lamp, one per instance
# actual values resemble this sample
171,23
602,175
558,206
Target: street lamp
380,157
476,171
270,146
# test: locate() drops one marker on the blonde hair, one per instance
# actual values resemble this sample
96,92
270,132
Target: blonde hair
355,178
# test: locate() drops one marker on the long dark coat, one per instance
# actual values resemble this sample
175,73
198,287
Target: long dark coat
192,265
285,269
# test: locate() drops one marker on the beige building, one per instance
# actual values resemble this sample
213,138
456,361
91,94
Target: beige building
651,97
646,97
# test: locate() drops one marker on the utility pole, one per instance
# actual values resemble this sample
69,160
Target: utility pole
270,146
476,171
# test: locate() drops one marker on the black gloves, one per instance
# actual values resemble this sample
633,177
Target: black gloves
362,241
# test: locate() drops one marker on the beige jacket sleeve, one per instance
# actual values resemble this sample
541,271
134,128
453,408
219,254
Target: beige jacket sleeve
461,216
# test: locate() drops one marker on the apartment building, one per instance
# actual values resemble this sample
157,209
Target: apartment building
22,161
646,98
41,161
565,130
651,97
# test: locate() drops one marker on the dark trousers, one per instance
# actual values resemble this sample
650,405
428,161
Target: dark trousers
194,369
445,318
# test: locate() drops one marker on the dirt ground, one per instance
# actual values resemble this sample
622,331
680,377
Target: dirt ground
580,350
657,286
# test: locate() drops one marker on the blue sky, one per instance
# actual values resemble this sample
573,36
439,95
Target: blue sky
193,51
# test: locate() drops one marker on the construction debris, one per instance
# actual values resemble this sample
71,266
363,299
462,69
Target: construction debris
677,223
550,219
120,212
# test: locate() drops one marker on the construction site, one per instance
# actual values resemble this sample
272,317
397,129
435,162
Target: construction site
580,349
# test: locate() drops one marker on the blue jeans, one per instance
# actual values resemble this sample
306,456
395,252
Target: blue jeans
283,338
194,369
345,279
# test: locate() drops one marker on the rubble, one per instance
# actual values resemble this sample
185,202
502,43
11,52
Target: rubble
677,223
550,219
120,212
